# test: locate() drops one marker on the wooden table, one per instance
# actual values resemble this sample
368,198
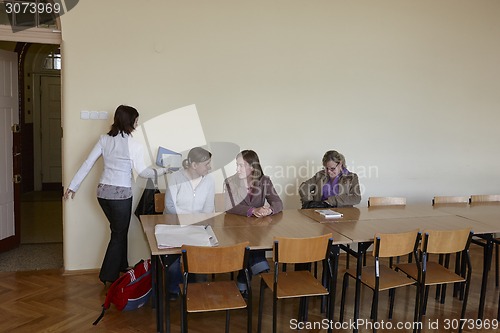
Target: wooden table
229,229
488,214
377,213
361,224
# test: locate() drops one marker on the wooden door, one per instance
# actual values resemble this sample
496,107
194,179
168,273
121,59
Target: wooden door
51,132
9,152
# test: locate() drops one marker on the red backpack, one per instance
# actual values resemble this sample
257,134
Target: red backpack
131,290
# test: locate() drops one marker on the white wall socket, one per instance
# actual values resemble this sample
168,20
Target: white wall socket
93,115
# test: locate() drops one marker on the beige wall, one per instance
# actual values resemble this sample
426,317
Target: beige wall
407,90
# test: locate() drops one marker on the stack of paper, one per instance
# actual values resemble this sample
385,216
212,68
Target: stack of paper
329,214
168,236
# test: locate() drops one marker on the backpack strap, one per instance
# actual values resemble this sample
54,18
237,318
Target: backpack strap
100,316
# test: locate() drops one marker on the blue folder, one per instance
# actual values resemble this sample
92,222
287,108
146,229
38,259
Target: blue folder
166,156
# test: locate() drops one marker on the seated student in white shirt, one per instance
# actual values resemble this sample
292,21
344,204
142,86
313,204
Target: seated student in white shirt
189,190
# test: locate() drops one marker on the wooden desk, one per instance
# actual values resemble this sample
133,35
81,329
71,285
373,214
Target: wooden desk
230,229
488,214
377,213
361,224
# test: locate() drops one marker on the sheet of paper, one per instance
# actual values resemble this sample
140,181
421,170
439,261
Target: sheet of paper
169,236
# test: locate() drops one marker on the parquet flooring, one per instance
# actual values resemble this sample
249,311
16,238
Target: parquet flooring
49,301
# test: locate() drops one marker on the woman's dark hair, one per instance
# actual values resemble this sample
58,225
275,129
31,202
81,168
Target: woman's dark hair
252,159
124,120
196,155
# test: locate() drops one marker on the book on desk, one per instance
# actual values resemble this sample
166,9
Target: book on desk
329,214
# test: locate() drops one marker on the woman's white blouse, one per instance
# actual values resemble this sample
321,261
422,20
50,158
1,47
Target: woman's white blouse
121,154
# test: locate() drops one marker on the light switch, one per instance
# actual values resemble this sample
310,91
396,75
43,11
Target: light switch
84,115
103,115
94,115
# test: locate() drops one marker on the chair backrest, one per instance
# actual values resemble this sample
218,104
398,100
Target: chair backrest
159,202
395,245
484,198
445,241
213,260
220,205
445,199
386,201
301,250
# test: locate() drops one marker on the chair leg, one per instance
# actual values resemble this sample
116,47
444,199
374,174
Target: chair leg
423,303
457,287
426,297
438,287
372,309
392,296
375,308
275,312
497,273
184,328
464,305
301,316
227,321
249,311
498,314
347,257
416,314
443,294
342,299
261,305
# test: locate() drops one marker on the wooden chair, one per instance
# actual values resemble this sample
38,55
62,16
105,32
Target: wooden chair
428,273
386,201
449,200
483,198
302,283
159,202
380,277
221,295
219,203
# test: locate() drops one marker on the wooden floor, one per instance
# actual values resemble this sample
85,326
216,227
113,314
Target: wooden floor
49,301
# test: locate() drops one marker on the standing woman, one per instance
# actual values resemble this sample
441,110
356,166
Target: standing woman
121,153
334,186
251,193
191,189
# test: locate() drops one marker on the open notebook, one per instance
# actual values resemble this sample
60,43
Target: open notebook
168,236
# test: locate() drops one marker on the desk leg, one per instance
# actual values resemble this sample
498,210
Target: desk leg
164,303
362,246
329,279
157,292
333,283
488,249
